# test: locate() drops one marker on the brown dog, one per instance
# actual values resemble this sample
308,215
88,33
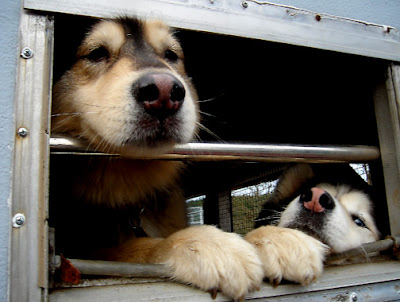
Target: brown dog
128,92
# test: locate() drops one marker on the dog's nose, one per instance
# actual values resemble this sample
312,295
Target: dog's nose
317,200
161,94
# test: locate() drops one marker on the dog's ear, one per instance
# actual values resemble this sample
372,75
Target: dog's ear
292,181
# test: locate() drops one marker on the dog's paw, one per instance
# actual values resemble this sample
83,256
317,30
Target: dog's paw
288,254
211,260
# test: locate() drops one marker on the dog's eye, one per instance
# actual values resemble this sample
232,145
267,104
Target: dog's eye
359,222
99,54
171,56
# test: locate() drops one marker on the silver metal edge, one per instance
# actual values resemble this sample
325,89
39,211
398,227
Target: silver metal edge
246,152
266,21
29,245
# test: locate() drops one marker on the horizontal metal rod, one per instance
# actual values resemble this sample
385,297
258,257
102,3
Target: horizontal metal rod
365,249
123,269
244,152
118,269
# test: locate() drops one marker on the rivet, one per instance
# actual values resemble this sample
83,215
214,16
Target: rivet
318,17
27,53
245,4
22,132
18,220
353,297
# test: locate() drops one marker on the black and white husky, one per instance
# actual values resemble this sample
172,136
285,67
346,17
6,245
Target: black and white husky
328,202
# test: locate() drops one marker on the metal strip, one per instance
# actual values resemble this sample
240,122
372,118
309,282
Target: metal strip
387,111
29,243
365,249
252,19
244,152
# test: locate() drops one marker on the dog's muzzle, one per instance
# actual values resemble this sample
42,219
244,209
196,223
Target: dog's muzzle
161,94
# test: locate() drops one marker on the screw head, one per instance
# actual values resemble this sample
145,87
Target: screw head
245,4
18,220
353,297
27,53
22,132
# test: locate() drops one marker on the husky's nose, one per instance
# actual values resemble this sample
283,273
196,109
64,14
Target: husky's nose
317,200
161,94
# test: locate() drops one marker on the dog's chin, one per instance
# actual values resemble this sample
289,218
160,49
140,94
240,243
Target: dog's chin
145,149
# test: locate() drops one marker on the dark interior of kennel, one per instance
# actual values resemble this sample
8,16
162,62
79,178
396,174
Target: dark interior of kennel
255,91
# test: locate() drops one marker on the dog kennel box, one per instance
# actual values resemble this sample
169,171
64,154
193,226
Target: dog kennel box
303,55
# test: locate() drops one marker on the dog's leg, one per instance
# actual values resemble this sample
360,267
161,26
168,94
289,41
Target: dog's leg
288,254
203,256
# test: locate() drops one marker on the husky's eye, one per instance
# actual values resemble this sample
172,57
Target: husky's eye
99,54
359,222
171,56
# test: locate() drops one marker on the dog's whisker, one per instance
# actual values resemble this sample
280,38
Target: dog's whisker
100,106
207,100
73,114
207,114
204,128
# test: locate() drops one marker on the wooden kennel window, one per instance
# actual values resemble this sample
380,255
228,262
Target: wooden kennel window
254,61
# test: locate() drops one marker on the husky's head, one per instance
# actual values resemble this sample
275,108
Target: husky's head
337,215
326,202
127,89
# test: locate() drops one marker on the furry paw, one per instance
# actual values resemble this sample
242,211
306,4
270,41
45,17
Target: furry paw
211,260
288,254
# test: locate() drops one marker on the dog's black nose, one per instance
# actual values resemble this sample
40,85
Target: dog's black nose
161,94
317,200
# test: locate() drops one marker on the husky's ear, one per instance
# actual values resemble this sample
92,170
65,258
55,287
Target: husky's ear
291,182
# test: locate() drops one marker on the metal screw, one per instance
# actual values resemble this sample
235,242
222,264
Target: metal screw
22,132
353,297
27,53
18,220
245,4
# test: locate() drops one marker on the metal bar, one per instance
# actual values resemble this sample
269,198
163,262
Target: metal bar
253,19
244,152
387,112
29,245
118,269
123,269
365,249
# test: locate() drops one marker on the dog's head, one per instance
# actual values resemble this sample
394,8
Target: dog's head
328,202
127,89
337,215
